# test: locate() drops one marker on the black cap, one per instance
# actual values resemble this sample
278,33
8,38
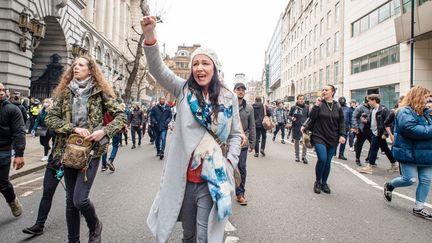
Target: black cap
239,85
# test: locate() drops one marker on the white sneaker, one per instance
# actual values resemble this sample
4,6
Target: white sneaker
45,158
351,149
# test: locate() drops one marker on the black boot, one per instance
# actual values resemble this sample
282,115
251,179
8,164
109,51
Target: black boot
305,160
35,230
317,187
96,235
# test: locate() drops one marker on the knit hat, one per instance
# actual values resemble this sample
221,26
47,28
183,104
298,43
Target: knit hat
212,55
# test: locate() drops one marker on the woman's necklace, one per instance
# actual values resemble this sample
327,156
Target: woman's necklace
329,106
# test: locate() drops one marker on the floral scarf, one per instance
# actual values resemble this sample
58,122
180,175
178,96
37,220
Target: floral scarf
209,154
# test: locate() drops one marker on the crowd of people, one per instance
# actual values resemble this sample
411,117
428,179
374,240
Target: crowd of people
216,128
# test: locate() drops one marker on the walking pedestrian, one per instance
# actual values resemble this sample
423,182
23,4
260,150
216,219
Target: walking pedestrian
413,148
328,129
16,100
35,108
347,112
361,129
12,136
379,135
160,117
298,115
351,134
248,124
280,118
81,99
206,110
115,141
124,132
261,132
150,125
389,121
45,134
136,122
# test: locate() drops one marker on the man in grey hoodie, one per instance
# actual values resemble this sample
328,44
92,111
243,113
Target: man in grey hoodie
248,124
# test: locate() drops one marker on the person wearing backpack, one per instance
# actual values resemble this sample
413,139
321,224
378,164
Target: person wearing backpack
298,115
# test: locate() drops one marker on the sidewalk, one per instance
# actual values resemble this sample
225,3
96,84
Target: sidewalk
32,157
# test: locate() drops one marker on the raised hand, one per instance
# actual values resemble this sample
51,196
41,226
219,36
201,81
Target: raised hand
148,25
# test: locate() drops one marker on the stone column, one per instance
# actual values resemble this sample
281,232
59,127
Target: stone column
100,15
117,12
109,19
90,11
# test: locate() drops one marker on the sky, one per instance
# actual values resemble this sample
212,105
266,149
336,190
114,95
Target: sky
238,30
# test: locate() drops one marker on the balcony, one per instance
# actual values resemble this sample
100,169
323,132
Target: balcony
422,17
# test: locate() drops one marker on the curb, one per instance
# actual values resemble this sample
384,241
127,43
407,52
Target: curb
26,172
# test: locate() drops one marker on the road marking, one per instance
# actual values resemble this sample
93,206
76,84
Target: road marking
232,239
229,227
28,182
25,194
370,182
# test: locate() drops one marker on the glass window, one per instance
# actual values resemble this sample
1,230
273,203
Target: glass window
373,19
337,12
384,12
320,79
327,78
314,56
364,23
384,57
355,66
316,10
328,47
336,73
356,28
321,5
321,54
328,20
394,54
364,64
322,26
373,60
336,42
396,6
315,32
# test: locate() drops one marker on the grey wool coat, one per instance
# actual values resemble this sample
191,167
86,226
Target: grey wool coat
186,137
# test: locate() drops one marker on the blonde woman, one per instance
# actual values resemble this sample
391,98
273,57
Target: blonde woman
40,123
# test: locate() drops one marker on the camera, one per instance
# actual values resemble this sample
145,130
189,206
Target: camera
364,115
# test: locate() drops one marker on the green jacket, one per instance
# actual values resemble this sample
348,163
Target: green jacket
59,118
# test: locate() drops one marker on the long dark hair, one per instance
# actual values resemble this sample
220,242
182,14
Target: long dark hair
213,91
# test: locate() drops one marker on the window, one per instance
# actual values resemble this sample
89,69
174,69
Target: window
321,52
364,23
373,19
328,20
314,81
321,5
328,46
310,59
337,12
310,37
316,10
356,28
336,42
384,12
320,79
315,55
315,32
322,26
376,17
376,59
328,75
336,73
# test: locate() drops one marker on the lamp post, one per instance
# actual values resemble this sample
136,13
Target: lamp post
35,27
412,40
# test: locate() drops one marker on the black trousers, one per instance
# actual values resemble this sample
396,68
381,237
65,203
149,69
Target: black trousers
261,133
50,184
6,187
361,138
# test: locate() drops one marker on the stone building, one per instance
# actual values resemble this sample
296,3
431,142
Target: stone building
40,39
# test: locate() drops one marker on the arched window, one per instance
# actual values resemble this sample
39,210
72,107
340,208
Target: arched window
99,54
87,44
108,60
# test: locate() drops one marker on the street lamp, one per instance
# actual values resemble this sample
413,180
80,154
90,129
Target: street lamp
35,27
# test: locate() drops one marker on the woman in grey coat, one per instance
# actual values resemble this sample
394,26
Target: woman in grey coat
197,184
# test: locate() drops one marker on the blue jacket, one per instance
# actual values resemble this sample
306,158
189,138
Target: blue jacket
347,113
160,117
413,137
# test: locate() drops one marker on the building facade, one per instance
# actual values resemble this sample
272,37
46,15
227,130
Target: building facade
36,52
312,47
254,89
377,56
273,65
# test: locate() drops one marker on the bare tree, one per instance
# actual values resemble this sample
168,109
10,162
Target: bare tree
137,55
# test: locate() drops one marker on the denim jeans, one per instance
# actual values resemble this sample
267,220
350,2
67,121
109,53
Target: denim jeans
195,211
125,134
136,130
160,140
261,134
240,190
50,184
322,168
77,200
115,145
409,172
6,187
280,126
376,144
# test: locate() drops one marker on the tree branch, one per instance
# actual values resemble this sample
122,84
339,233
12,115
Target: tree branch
136,31
129,48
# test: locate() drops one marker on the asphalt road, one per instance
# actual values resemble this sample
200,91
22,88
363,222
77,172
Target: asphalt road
282,205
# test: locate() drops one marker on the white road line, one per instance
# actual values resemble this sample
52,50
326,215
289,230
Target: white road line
28,182
229,227
25,194
370,182
231,239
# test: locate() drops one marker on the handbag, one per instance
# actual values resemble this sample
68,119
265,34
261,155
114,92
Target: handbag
288,125
225,148
41,131
267,122
307,133
78,152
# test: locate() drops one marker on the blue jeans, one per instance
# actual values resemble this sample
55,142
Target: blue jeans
322,168
115,145
408,178
160,140
240,191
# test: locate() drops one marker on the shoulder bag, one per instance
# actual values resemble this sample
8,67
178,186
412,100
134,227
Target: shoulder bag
267,122
78,152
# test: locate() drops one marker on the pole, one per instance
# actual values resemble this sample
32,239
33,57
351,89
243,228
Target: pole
412,40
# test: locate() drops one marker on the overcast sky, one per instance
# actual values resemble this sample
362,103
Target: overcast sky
238,30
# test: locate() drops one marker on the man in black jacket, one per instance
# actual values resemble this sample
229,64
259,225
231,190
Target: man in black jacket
12,136
136,123
361,127
160,117
379,135
259,113
298,115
